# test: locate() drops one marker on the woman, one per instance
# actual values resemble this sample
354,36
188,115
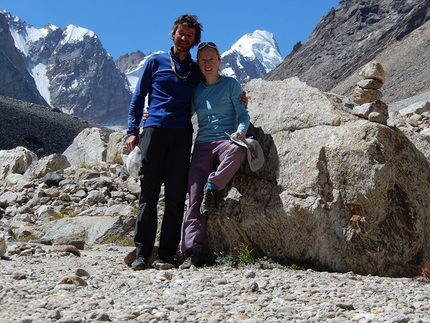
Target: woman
215,158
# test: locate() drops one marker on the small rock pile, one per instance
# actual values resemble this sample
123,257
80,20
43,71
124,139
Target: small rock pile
368,95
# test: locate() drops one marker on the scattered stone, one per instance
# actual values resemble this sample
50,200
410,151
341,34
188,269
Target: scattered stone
73,279
253,287
376,111
66,248
374,70
2,245
114,293
81,272
361,96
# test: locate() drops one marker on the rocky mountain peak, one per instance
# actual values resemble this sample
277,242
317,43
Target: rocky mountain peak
76,34
252,56
348,37
127,63
72,71
259,45
15,80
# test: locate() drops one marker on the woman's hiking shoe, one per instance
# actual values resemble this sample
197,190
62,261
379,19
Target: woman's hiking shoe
191,260
208,202
139,263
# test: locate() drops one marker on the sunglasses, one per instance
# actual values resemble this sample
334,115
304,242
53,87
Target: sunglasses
207,44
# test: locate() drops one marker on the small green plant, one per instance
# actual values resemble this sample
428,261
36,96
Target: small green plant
245,258
244,255
27,238
118,240
268,264
223,261
117,159
64,214
80,236
296,267
83,164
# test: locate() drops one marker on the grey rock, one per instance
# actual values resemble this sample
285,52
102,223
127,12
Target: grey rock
16,160
52,179
88,148
415,108
47,164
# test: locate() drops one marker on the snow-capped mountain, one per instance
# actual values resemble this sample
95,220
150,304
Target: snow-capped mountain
15,81
252,56
72,71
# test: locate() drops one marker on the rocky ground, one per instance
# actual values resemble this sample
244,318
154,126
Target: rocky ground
47,283
44,284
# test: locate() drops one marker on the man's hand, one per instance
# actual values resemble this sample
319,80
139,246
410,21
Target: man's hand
132,141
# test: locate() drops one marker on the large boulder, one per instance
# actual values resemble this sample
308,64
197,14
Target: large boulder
88,148
47,164
15,161
117,150
337,192
93,228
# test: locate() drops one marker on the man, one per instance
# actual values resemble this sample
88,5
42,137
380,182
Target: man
169,79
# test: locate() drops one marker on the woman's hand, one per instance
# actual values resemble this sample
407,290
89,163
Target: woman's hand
244,99
145,115
239,136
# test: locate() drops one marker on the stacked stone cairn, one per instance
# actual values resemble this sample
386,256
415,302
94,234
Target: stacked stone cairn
368,96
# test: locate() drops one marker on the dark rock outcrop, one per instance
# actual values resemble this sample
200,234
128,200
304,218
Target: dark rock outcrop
40,129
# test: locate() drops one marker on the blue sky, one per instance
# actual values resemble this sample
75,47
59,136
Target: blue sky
125,26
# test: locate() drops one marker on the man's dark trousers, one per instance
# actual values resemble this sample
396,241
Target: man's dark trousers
166,160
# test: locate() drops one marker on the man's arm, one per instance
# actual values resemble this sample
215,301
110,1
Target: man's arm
135,111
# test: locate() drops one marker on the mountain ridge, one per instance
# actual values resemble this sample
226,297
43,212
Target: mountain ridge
351,35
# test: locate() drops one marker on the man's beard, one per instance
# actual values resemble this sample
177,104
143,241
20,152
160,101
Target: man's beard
183,48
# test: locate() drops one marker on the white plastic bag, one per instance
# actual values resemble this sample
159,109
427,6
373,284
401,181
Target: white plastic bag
134,162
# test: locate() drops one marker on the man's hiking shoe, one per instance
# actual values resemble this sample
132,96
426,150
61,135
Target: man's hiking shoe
139,263
191,260
208,202
161,265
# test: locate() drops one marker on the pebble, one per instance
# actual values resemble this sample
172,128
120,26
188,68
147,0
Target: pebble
33,289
